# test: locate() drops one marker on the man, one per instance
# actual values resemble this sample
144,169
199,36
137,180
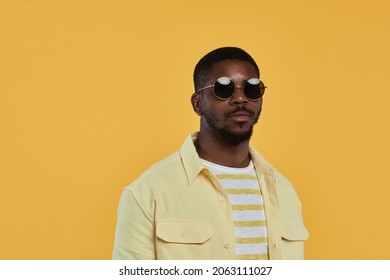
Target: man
215,198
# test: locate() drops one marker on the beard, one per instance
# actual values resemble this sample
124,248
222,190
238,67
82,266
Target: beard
226,133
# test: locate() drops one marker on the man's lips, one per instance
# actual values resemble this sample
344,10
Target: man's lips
241,113
241,116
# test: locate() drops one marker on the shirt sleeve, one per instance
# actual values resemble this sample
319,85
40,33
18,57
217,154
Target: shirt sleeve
134,235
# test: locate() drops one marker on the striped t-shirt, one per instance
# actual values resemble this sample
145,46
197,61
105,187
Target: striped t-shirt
244,193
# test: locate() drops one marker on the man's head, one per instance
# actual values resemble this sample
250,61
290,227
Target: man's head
231,118
205,65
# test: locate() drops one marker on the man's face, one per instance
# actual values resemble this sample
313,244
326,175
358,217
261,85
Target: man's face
233,119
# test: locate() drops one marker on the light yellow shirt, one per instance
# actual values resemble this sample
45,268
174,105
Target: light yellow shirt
177,209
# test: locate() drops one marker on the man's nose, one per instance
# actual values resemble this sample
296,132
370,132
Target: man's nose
239,96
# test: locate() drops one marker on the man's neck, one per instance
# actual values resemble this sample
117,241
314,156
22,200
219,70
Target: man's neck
214,148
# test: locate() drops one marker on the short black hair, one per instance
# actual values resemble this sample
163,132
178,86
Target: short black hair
203,68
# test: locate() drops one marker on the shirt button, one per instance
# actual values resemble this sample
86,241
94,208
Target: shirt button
226,246
222,200
183,234
274,245
272,200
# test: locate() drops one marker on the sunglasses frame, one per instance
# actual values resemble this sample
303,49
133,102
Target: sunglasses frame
263,87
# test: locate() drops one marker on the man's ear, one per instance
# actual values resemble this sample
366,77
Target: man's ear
195,101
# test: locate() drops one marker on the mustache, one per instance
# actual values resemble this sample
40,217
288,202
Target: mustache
239,109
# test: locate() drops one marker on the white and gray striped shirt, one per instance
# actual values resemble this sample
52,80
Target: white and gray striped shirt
244,193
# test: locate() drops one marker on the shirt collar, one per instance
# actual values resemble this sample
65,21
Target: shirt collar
191,161
193,166
261,165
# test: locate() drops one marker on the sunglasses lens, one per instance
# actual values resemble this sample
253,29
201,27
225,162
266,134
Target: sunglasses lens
254,88
224,88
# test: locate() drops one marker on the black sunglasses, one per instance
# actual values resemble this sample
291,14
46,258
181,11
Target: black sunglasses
224,88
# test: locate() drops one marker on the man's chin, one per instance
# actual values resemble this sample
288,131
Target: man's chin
235,137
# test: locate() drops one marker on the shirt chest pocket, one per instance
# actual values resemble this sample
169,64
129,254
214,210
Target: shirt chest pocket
294,230
183,240
294,234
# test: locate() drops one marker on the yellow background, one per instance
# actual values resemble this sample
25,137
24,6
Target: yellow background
93,92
